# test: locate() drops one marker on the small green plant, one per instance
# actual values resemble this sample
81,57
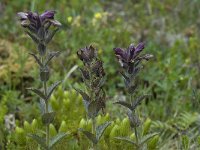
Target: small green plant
41,29
130,60
94,100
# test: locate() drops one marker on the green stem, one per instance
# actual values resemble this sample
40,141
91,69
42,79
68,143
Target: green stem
136,135
46,110
135,128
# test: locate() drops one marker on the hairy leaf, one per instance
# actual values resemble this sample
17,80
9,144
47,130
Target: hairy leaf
138,101
147,137
89,135
48,118
134,120
125,104
85,73
37,59
51,56
51,35
55,140
51,89
38,92
126,78
126,139
33,37
131,88
93,109
100,129
86,98
41,141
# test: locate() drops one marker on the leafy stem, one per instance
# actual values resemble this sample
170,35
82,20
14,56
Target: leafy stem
46,111
46,108
135,128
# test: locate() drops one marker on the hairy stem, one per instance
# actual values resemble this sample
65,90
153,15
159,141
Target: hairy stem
93,119
136,135
135,128
46,110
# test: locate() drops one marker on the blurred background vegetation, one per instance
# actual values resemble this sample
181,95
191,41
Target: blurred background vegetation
170,29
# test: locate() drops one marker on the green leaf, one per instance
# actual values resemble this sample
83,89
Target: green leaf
127,140
57,139
51,35
41,141
126,78
93,109
51,89
138,101
38,92
100,129
33,37
125,104
50,56
86,98
147,137
48,118
37,59
89,135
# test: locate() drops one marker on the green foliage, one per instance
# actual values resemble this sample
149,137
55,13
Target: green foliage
170,30
183,127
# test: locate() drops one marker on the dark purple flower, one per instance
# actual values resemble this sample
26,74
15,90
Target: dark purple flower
47,15
87,54
33,21
129,58
128,55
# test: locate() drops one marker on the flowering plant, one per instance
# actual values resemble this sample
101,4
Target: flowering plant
130,60
94,100
38,28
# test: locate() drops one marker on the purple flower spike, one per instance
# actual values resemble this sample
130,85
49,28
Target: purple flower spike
87,54
130,56
33,21
38,27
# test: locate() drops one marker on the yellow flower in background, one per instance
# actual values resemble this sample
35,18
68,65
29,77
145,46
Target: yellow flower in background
100,51
69,19
98,15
